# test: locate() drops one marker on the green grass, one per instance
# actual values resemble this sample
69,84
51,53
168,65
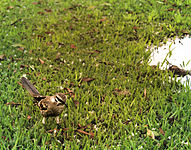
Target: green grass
103,40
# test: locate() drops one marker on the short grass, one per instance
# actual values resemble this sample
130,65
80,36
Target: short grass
62,45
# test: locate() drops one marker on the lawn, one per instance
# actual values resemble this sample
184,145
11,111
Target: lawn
96,51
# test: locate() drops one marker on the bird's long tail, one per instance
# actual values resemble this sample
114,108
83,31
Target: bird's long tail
30,88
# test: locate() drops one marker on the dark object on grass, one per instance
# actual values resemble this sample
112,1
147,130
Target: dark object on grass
178,71
50,106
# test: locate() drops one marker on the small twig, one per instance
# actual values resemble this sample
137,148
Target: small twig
86,133
13,103
14,22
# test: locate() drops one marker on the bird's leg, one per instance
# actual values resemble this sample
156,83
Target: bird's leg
57,120
43,120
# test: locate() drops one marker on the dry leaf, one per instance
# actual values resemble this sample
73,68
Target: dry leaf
91,134
135,28
79,125
19,83
36,3
103,19
86,133
29,117
44,78
21,48
40,36
71,93
49,32
2,56
171,9
10,7
73,46
76,103
140,111
50,131
13,103
49,43
65,129
30,51
41,61
58,56
48,10
97,51
53,131
40,13
145,93
94,51
86,79
150,134
161,131
121,92
23,66
185,32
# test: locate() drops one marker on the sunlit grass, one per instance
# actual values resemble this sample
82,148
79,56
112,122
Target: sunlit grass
58,45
